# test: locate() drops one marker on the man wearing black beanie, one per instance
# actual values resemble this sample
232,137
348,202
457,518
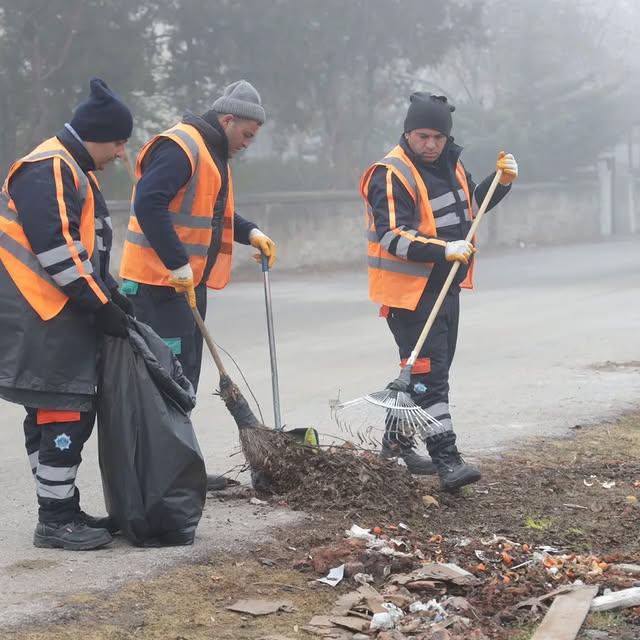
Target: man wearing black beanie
57,298
421,202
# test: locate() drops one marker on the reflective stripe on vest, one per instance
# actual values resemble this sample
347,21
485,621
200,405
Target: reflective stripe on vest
26,269
141,240
191,212
405,172
422,269
78,173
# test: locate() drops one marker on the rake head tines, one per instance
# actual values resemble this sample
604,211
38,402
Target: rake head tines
389,411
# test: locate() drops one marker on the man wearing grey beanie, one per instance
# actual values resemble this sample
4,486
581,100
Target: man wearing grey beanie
183,224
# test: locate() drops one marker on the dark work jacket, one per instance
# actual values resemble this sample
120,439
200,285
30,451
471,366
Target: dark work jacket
440,180
165,170
52,364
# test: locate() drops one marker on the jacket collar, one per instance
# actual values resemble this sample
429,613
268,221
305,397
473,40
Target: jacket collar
74,145
212,133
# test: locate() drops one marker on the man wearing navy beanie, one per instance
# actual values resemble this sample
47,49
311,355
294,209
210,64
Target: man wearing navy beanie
58,297
102,119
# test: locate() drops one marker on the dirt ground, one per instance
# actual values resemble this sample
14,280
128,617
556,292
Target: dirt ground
573,500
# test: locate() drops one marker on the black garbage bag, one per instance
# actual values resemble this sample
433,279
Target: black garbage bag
153,473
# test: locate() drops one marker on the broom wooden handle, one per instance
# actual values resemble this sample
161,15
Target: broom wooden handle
209,340
452,274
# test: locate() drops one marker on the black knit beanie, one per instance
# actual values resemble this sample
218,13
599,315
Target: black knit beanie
102,117
427,111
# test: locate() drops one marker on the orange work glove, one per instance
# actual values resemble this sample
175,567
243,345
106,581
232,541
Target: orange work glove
265,244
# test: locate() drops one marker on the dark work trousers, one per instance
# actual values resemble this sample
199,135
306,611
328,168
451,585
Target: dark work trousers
169,315
430,390
54,451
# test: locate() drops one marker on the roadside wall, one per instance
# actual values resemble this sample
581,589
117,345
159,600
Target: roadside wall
326,229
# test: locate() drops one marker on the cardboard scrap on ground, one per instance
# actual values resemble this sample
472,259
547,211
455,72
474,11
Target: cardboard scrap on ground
566,615
322,626
345,603
261,607
350,622
350,611
443,571
372,598
536,602
331,621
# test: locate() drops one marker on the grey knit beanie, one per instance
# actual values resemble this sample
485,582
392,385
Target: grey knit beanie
241,99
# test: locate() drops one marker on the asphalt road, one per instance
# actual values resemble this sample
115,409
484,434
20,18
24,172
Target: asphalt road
548,340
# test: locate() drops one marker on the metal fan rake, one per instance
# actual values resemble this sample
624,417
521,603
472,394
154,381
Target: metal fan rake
391,411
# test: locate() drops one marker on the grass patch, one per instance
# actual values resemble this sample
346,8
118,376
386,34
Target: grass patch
540,524
604,621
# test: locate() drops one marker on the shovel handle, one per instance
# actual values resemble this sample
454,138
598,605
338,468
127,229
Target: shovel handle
452,273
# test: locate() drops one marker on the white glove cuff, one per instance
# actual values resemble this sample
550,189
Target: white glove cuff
184,271
255,233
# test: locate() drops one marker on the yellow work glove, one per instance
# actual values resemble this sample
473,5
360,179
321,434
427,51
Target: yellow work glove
265,245
509,167
459,251
182,281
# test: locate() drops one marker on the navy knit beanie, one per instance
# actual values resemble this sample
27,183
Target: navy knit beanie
102,117
427,111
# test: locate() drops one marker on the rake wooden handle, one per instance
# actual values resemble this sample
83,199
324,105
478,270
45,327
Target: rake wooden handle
452,274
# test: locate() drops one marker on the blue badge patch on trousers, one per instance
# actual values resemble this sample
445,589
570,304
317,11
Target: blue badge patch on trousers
420,387
175,344
62,442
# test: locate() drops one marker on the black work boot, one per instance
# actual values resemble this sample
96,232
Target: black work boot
454,472
107,522
416,464
72,536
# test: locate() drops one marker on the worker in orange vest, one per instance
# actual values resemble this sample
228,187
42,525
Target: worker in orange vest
183,221
57,299
420,204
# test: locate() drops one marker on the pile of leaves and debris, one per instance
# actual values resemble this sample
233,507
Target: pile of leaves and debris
343,478
407,587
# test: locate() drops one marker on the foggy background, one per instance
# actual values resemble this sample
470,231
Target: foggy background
555,83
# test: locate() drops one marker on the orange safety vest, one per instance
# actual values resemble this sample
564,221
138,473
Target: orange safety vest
18,258
192,209
393,281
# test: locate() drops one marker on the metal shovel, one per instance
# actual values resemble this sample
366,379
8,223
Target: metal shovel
304,435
